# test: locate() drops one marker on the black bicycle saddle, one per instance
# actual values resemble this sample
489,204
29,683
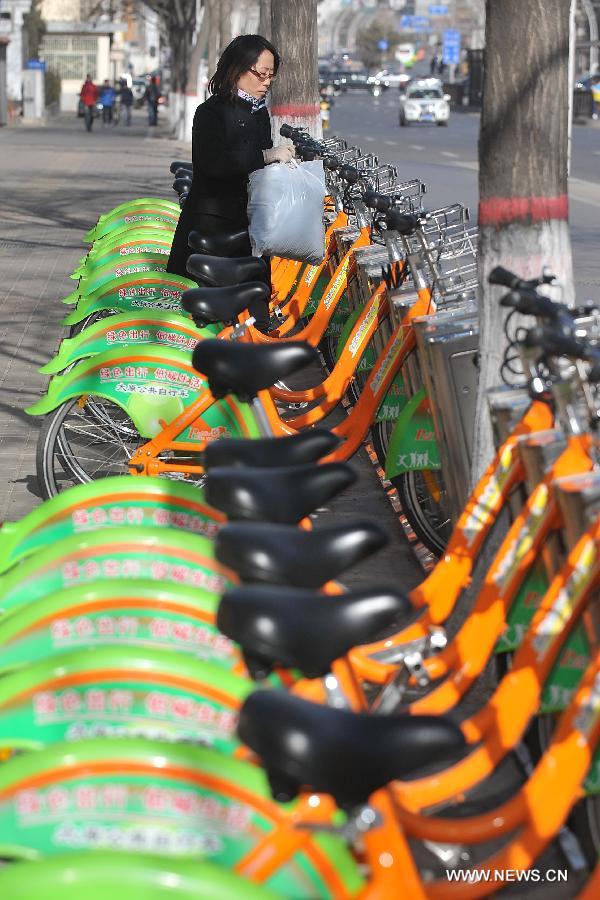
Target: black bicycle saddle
219,271
285,494
283,554
182,184
180,164
232,367
230,243
307,446
222,304
295,628
334,751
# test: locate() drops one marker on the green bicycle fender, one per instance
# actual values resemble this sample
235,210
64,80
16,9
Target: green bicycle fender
149,795
413,446
129,330
138,245
135,253
147,393
127,205
122,876
124,692
108,503
97,278
141,218
119,238
130,207
132,237
135,612
162,554
153,387
152,291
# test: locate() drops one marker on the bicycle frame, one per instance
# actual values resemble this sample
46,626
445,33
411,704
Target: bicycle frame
353,429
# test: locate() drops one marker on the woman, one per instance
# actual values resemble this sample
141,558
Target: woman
231,137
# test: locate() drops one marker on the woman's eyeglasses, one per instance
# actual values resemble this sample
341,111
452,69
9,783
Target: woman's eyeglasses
264,76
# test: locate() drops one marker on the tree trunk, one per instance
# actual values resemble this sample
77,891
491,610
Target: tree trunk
225,24
264,21
212,11
295,93
523,148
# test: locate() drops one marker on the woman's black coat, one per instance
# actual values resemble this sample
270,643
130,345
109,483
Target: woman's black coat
227,144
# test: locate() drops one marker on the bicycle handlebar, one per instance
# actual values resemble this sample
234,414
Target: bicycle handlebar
505,278
379,202
556,343
349,174
527,301
403,223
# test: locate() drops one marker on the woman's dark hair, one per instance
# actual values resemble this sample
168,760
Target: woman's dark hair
239,56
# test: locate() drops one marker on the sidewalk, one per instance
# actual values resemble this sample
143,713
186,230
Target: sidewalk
56,181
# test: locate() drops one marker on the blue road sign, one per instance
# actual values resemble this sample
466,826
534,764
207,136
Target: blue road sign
451,47
383,45
36,64
414,23
438,10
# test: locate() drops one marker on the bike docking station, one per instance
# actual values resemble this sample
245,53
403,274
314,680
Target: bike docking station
187,653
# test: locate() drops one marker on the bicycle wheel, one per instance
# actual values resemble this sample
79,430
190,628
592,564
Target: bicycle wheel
422,495
90,438
422,498
84,441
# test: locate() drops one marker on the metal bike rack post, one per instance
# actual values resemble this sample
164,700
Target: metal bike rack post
506,405
448,345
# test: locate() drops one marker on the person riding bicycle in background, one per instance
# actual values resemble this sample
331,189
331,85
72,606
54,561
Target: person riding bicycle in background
231,137
89,98
107,99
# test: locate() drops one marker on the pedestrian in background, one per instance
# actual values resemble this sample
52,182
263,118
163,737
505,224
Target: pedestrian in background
126,101
152,96
107,99
89,98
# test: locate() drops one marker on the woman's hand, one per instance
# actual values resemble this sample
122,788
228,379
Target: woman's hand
281,154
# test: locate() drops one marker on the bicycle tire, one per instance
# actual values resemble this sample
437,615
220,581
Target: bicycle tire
52,456
432,532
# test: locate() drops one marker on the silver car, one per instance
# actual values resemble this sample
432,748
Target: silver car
424,101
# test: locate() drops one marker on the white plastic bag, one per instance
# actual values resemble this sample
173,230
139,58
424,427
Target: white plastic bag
285,211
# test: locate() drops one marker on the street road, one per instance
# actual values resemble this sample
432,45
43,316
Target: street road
446,160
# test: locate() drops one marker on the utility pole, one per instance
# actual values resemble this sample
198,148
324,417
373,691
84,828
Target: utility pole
295,92
523,151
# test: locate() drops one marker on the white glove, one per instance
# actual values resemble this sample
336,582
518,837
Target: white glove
282,154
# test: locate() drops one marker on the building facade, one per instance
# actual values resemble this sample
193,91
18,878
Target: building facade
11,28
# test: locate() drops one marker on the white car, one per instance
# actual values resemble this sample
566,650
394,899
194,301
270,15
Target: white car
424,101
393,78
